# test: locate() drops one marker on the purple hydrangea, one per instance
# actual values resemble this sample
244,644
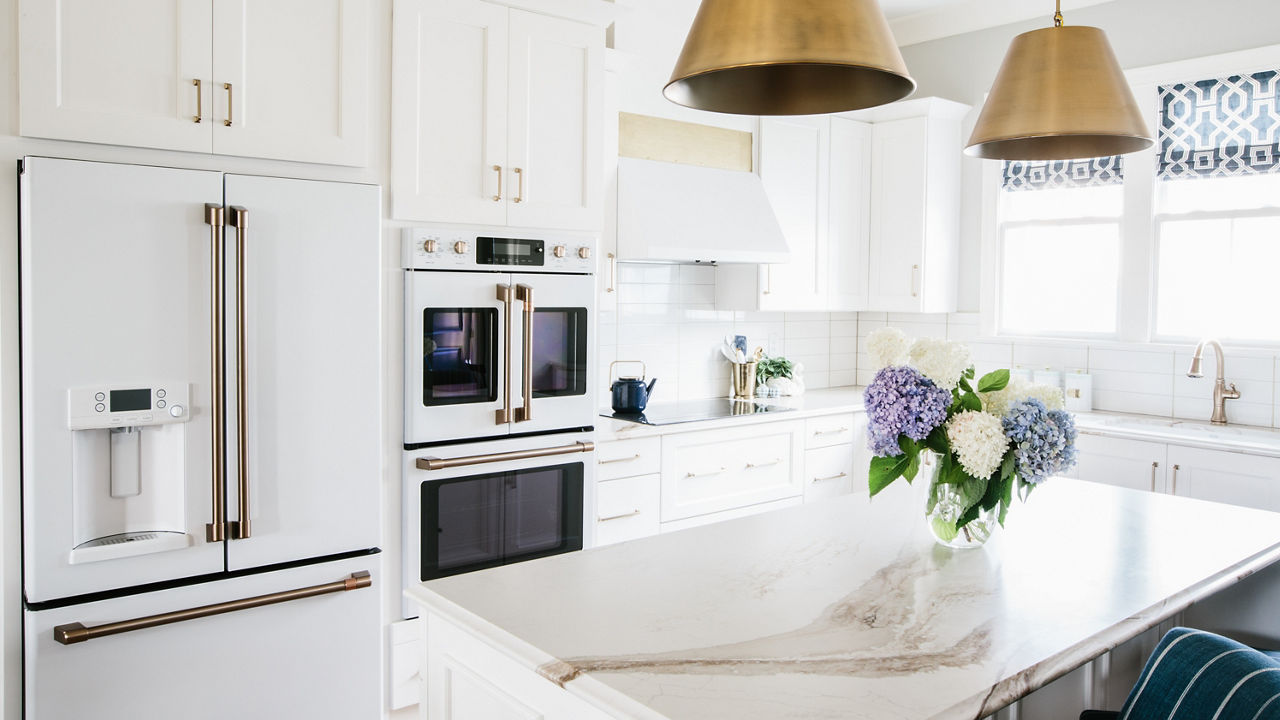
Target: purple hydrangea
1044,441
901,401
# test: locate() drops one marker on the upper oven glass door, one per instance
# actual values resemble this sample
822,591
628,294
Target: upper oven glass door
455,355
559,360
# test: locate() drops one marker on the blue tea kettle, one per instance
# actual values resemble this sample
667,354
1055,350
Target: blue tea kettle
630,394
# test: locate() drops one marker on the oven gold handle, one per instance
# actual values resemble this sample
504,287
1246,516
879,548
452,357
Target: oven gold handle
214,218
75,632
238,217
524,294
502,415
434,463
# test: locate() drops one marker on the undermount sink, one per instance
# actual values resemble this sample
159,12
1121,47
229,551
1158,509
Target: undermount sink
1185,428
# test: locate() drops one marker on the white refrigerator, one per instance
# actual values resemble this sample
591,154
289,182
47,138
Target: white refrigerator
201,443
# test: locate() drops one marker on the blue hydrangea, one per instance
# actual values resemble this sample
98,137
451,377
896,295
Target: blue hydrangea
1044,441
901,401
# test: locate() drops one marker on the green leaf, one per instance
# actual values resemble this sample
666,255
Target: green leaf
933,497
937,441
969,372
945,531
909,446
965,386
970,401
993,381
1006,468
971,491
913,467
884,470
969,516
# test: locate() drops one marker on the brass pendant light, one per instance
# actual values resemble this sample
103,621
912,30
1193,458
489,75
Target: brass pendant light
1059,95
789,57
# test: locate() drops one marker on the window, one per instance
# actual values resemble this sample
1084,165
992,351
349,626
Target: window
1217,205
1059,232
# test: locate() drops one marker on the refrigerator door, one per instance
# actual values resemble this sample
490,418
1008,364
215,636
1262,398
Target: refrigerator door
305,434
116,332
313,657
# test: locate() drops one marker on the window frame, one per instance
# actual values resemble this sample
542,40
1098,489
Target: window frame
1137,288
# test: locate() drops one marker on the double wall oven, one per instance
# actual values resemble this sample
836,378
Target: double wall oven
499,406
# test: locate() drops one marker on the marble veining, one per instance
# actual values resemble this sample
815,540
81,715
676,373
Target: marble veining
847,609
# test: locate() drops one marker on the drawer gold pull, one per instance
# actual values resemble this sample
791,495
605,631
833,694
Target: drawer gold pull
837,431
713,472
633,513
771,463
618,460
830,477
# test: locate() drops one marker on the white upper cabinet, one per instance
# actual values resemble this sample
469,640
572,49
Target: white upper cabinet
795,163
915,207
497,116
124,73
281,79
292,77
849,215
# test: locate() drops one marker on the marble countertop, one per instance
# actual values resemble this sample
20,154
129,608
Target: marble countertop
847,608
814,403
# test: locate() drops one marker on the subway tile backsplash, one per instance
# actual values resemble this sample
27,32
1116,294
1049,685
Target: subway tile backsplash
666,318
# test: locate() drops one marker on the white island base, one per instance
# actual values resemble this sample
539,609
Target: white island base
844,609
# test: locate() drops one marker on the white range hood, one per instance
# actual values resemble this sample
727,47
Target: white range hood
684,213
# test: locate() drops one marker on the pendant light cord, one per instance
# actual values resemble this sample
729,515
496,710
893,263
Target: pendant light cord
1057,15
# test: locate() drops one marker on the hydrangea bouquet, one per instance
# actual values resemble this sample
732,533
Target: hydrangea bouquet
990,436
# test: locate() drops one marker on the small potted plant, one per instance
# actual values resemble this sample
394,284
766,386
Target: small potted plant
778,373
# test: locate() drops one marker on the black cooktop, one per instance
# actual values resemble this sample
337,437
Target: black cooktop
695,410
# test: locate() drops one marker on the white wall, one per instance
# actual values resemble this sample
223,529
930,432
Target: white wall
13,147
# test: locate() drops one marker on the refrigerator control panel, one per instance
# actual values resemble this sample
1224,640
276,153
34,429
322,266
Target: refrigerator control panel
108,406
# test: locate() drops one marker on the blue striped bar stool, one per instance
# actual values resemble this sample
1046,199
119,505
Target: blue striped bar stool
1196,675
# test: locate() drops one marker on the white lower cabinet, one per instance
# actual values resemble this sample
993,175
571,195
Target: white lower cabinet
256,664
828,472
627,509
714,470
1225,477
1132,464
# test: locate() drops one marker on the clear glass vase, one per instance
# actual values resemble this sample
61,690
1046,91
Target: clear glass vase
948,506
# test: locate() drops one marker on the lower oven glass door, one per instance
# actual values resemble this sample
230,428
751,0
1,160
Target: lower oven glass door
497,518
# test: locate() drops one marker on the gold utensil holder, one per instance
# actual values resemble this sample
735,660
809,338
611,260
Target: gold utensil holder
744,380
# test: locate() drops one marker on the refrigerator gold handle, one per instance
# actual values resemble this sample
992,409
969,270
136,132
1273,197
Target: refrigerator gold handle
213,217
240,530
434,463
524,294
503,415
75,632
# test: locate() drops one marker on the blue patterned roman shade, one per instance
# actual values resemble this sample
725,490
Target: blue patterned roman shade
1054,174
1220,128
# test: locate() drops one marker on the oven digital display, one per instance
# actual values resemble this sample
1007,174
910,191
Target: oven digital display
509,251
130,400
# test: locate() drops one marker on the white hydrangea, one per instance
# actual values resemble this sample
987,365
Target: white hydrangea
941,361
978,440
998,402
888,346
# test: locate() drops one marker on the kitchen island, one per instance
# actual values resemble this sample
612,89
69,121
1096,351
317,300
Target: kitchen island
842,609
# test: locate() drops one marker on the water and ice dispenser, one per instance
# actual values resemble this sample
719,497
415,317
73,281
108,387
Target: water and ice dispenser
128,469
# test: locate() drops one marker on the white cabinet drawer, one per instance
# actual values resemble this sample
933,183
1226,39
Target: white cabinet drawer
729,514
628,458
627,509
826,431
706,472
828,472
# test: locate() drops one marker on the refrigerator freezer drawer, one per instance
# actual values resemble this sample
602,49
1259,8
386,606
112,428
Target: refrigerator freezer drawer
316,656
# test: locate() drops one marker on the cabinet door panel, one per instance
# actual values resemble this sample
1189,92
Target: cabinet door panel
313,414
298,71
713,470
1132,464
556,75
849,226
899,169
449,111
120,72
794,166
1225,477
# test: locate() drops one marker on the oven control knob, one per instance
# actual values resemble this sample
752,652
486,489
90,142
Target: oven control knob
431,245
558,251
460,247
584,252
176,410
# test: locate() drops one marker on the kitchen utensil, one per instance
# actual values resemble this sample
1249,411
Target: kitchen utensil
730,354
630,394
